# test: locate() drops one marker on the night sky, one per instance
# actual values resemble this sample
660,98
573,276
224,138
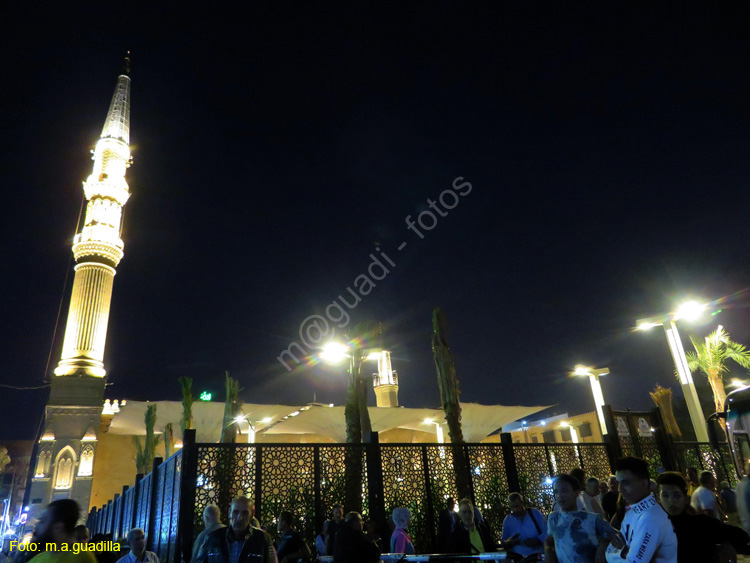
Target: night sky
276,147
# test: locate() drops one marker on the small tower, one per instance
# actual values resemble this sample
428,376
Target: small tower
385,382
65,453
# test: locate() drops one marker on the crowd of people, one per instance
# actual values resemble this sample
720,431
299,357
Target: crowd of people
58,538
627,518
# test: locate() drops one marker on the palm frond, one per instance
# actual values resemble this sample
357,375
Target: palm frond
711,358
140,460
186,384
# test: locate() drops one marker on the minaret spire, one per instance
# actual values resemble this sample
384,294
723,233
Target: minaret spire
117,124
98,248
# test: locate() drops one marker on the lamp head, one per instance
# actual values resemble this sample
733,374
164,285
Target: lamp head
334,352
589,371
690,311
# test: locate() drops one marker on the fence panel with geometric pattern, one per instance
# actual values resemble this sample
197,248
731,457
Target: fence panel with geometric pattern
166,512
490,483
404,486
224,471
535,470
333,478
537,464
143,509
703,457
288,484
287,480
127,519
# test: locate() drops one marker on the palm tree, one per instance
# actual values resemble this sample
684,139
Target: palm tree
449,393
356,414
187,404
710,358
146,452
168,440
4,458
232,410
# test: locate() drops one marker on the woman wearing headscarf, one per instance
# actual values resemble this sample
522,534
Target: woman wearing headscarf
400,540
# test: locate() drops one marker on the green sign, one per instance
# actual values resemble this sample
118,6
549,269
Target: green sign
205,396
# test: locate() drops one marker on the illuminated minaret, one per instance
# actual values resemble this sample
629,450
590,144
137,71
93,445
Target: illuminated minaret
385,382
98,248
65,455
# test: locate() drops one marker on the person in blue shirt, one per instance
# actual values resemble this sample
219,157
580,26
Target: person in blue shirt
524,529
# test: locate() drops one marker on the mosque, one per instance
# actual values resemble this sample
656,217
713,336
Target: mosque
86,451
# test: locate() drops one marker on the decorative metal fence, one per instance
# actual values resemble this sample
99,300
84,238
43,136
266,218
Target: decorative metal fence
636,434
151,504
703,457
308,479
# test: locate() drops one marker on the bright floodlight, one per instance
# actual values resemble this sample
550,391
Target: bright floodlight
582,370
240,418
334,352
646,325
267,420
374,355
428,421
690,310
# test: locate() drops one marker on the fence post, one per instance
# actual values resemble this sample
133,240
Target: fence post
117,534
430,516
152,505
188,480
110,520
611,438
91,521
664,443
509,457
259,480
134,513
375,493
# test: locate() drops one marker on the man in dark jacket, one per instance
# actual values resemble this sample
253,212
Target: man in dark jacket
333,526
469,536
239,542
447,521
699,537
351,544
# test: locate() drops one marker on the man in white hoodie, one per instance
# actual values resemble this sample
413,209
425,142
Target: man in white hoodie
646,534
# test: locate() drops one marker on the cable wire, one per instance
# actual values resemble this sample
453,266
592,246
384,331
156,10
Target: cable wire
62,298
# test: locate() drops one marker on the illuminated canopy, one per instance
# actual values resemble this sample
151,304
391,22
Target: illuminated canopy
478,421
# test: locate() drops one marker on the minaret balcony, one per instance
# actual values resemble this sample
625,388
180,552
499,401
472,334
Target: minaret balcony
113,188
107,251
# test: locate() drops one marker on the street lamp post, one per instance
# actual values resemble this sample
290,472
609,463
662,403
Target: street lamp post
336,352
689,311
596,389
